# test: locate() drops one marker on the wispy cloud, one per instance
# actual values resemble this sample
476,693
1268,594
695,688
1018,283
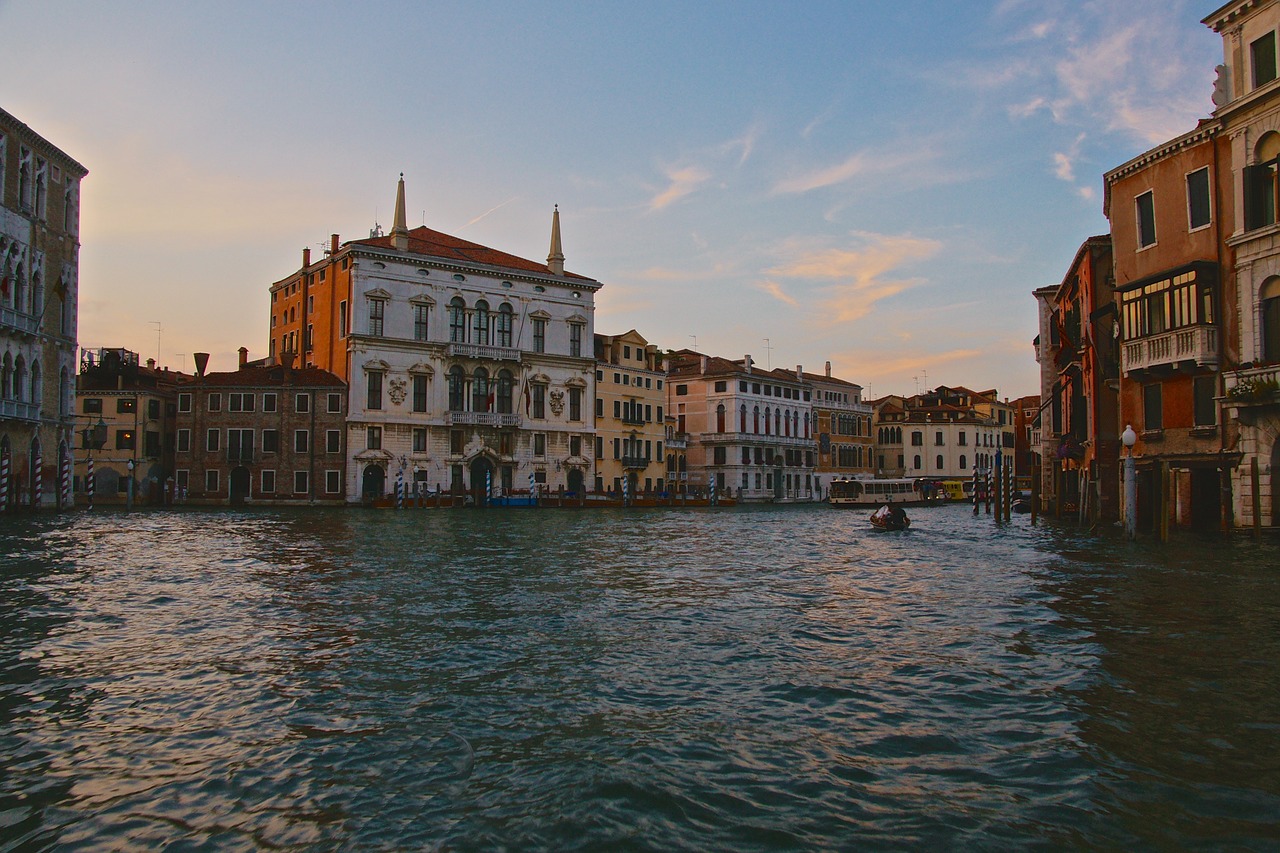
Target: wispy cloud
681,182
856,164
493,209
745,144
773,289
863,276
1064,161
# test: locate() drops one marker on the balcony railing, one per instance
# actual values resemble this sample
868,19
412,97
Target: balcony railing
456,350
19,320
490,419
679,442
1253,386
636,461
20,410
755,438
1194,343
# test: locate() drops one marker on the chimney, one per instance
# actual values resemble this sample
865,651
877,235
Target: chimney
244,356
746,362
828,370
151,364
333,244
306,257
202,361
799,373
704,364
286,359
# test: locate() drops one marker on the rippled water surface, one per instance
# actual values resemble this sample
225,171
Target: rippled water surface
772,678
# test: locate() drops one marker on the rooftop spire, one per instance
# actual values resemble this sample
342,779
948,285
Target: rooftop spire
555,260
399,230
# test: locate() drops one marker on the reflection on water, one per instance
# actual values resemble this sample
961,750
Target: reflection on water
759,678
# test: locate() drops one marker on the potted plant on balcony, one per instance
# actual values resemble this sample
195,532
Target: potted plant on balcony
1254,390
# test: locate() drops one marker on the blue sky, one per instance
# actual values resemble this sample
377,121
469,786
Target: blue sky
878,185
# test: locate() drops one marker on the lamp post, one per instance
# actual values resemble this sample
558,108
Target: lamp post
93,438
128,498
1130,438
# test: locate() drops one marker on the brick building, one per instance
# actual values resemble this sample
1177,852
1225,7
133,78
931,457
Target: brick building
263,434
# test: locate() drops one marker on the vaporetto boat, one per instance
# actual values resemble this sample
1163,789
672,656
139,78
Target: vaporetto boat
906,491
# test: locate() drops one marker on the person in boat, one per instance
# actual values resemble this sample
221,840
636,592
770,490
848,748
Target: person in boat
897,516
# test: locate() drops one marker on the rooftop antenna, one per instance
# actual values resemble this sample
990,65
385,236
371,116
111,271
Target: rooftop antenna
183,356
768,355
156,323
695,342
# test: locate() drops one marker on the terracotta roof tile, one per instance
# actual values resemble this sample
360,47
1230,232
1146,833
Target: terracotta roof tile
424,241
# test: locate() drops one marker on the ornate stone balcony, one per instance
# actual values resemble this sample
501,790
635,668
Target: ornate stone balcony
1251,390
489,353
1194,343
20,410
19,321
489,419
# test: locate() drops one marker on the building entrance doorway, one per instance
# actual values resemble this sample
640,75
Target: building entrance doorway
481,480
373,483
239,485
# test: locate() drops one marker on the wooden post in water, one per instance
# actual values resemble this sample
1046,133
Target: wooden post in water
997,485
1162,504
1035,492
1257,497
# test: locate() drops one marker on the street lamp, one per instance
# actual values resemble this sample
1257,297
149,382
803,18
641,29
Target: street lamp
93,438
128,501
1130,438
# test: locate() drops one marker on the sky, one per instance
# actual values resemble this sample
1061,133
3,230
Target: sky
878,185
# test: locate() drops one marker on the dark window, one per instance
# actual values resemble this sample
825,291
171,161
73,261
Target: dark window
1152,407
419,393
377,311
375,390
1260,194
682,390
128,406
335,403
1263,52
269,402
1146,212
722,386
126,440
539,335
270,441
1206,409
93,405
721,454
333,441
917,440
1198,198
301,441
301,403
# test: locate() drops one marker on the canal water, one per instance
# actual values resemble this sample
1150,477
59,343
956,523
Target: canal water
758,678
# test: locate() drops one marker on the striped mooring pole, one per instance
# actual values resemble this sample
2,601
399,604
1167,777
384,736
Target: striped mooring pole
65,498
400,489
37,475
89,482
626,489
4,481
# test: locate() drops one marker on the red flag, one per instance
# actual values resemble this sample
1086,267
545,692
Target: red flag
526,399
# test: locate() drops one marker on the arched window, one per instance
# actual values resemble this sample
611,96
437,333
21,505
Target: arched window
767,421
1270,320
806,424
939,461
457,321
457,389
505,384
786,424
777,421
481,324
6,378
964,463
505,324
720,418
755,419
917,463
480,390
36,391
1260,183
65,401
742,418
19,378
